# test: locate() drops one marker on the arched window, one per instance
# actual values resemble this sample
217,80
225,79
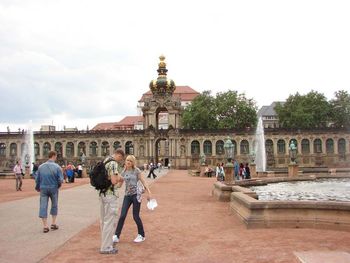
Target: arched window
329,146
13,149
305,146
105,148
129,148
116,145
81,148
59,149
46,149
341,146
24,149
317,146
93,149
207,146
281,147
36,149
195,148
244,147
220,147
2,149
269,146
70,149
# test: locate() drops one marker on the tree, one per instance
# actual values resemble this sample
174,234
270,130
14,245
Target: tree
234,110
340,109
304,111
200,114
228,110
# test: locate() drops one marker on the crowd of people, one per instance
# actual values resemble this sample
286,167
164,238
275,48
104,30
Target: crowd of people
240,171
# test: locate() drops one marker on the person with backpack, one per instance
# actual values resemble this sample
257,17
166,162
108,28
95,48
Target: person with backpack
132,176
104,177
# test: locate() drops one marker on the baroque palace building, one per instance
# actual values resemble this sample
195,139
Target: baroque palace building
157,135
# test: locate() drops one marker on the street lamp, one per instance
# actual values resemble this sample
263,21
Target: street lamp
229,148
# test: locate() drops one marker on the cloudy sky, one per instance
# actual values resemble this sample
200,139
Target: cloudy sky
80,62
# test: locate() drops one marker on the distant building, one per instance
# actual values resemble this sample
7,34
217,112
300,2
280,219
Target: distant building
269,115
47,128
184,93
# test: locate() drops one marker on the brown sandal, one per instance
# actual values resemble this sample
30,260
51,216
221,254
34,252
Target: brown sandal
46,229
54,227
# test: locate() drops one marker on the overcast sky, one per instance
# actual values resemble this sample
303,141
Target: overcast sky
80,62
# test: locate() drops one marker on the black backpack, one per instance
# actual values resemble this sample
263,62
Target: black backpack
99,177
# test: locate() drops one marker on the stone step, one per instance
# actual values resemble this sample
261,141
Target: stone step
323,257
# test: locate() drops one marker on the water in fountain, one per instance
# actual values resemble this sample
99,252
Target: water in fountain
260,158
28,157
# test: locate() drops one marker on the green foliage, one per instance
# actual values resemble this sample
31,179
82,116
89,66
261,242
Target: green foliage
227,110
234,110
304,111
199,114
340,109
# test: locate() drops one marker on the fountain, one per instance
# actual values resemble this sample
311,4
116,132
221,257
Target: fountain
28,156
259,149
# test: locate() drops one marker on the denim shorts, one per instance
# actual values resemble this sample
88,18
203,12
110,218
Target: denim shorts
45,194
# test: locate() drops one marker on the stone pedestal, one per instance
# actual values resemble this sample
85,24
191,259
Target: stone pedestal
84,175
202,168
27,172
228,168
253,170
293,170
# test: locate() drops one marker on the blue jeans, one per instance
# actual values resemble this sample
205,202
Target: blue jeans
136,205
45,194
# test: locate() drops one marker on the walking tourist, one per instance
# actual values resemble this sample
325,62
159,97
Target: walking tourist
80,171
151,173
131,176
18,175
247,171
236,169
109,206
241,168
70,172
34,170
48,181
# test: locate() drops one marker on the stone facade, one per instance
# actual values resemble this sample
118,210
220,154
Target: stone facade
178,147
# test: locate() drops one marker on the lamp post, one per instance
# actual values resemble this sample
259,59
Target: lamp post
228,167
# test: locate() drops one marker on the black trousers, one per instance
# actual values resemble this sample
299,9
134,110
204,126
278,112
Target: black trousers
151,172
136,206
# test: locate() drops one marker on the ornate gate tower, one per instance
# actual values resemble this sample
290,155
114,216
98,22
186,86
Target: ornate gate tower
162,105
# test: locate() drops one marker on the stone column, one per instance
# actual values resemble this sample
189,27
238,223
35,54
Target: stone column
253,170
228,168
293,170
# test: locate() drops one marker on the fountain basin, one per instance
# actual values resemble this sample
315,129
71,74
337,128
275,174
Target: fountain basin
290,213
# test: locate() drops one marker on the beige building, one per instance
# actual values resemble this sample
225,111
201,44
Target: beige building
182,148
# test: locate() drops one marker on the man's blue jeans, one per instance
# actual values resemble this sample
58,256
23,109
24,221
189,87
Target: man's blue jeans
45,194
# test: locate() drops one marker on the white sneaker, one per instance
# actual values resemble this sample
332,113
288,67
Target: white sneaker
139,239
115,239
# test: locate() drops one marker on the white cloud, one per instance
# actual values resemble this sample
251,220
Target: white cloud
82,60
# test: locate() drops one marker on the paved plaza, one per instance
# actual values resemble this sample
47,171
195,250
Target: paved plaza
187,226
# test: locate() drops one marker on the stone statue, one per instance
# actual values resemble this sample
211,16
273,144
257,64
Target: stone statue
292,152
82,158
202,159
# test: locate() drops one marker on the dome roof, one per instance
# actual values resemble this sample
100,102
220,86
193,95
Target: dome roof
162,86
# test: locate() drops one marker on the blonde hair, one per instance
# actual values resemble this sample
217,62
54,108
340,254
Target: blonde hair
132,159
